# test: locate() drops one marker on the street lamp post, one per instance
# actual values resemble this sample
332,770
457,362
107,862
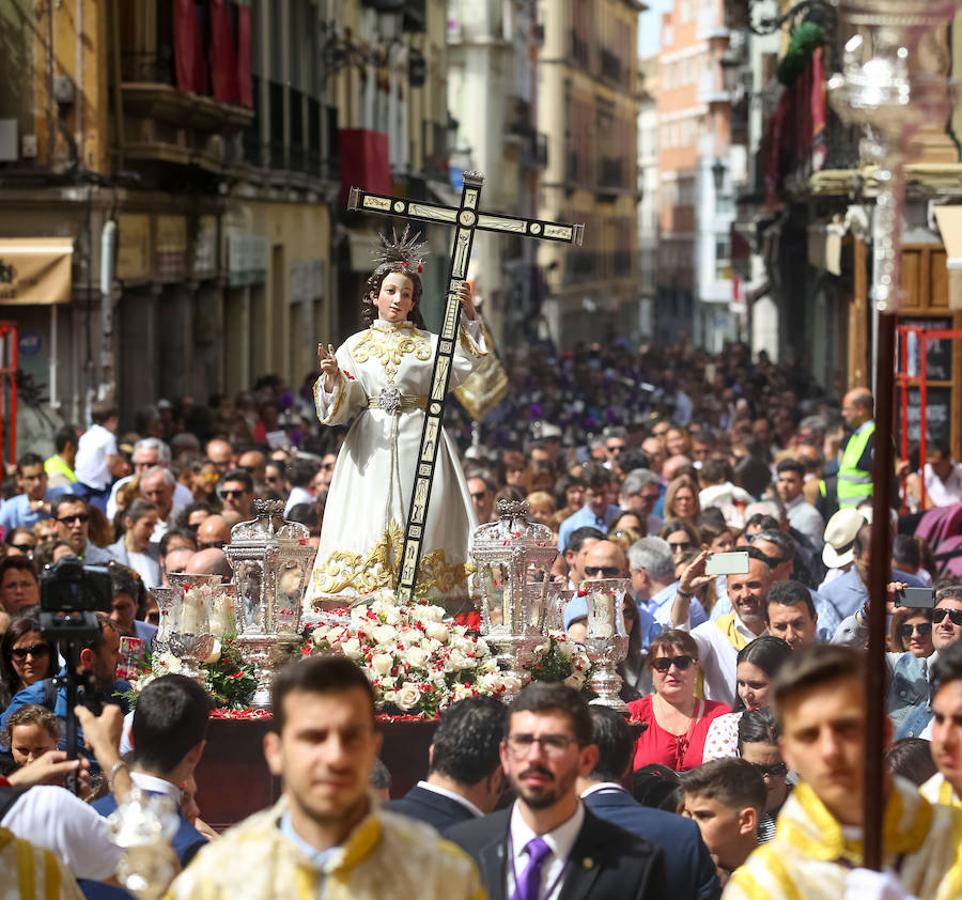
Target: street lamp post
885,88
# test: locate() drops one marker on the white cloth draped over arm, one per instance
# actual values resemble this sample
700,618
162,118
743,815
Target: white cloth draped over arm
338,407
470,350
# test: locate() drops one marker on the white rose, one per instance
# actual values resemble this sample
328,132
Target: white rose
321,633
408,696
351,648
511,683
458,660
410,637
382,663
481,648
384,634
415,657
436,631
565,646
358,612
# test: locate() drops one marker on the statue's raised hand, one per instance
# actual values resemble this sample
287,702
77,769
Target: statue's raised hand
328,364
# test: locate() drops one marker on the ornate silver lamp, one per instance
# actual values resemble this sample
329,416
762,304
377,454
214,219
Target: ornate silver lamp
893,90
513,557
607,638
188,631
272,560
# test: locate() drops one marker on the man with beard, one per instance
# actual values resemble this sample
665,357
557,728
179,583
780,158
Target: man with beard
547,844
945,786
326,837
719,640
817,853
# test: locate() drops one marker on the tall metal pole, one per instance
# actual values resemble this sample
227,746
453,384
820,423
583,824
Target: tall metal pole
881,554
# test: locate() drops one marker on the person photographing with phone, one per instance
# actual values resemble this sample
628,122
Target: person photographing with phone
719,640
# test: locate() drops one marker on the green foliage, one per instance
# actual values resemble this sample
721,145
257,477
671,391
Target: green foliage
805,40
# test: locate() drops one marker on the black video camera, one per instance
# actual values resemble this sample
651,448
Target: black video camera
71,594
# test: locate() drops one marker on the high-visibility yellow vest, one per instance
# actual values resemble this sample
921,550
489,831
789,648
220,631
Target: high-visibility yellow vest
855,484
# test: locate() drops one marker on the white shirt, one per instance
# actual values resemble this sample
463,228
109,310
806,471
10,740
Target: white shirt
803,517
719,659
157,786
451,795
603,786
298,495
52,817
944,493
93,448
561,841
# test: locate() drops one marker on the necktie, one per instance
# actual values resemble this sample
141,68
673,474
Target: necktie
529,884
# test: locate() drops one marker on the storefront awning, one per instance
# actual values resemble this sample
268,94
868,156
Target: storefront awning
949,219
35,271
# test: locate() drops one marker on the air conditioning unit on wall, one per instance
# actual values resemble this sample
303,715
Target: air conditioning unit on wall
9,150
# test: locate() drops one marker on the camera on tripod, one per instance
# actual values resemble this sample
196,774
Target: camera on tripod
71,595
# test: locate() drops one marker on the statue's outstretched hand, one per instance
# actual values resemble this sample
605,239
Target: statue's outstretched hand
328,364
466,296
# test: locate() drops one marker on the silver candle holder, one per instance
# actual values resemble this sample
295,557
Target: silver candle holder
606,640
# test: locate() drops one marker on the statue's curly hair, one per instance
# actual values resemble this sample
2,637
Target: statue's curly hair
372,287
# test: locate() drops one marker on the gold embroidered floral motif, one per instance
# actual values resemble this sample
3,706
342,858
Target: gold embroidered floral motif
344,571
389,346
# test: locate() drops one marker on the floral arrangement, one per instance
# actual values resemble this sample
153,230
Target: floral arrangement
559,659
417,661
227,678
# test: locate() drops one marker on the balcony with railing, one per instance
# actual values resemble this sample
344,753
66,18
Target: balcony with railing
611,67
579,49
581,266
177,110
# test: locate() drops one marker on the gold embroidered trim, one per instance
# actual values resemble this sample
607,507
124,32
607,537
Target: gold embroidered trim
390,347
378,569
467,342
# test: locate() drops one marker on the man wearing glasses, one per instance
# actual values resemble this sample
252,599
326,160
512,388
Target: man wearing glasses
72,516
150,453
236,492
946,632
547,843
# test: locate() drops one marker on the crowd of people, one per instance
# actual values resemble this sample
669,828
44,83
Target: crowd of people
740,765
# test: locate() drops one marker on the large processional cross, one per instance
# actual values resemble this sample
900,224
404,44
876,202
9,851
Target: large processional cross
465,219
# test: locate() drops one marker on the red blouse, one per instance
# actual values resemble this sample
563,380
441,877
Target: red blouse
677,751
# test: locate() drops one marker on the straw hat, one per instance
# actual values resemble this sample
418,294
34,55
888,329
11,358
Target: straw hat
840,537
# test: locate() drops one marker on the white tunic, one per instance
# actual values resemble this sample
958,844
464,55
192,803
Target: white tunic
367,505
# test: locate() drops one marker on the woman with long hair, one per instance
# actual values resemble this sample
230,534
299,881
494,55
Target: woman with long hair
677,720
26,657
757,664
681,500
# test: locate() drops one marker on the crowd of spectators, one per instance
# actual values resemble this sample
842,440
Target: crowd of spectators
645,466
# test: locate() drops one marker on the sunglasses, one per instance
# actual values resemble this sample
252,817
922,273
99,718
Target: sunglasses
604,571
229,495
682,663
955,616
24,548
680,546
775,770
923,629
69,520
36,651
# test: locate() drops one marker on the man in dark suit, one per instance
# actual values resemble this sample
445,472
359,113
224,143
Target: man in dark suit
688,864
547,845
464,775
168,731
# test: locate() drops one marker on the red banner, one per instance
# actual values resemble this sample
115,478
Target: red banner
223,58
364,161
186,46
245,88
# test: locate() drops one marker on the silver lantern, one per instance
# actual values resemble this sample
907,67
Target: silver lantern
513,558
893,90
272,561
142,827
606,640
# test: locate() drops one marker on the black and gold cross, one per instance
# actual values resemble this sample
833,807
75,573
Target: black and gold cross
466,219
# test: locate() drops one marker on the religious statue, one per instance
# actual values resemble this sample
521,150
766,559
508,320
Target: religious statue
381,378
